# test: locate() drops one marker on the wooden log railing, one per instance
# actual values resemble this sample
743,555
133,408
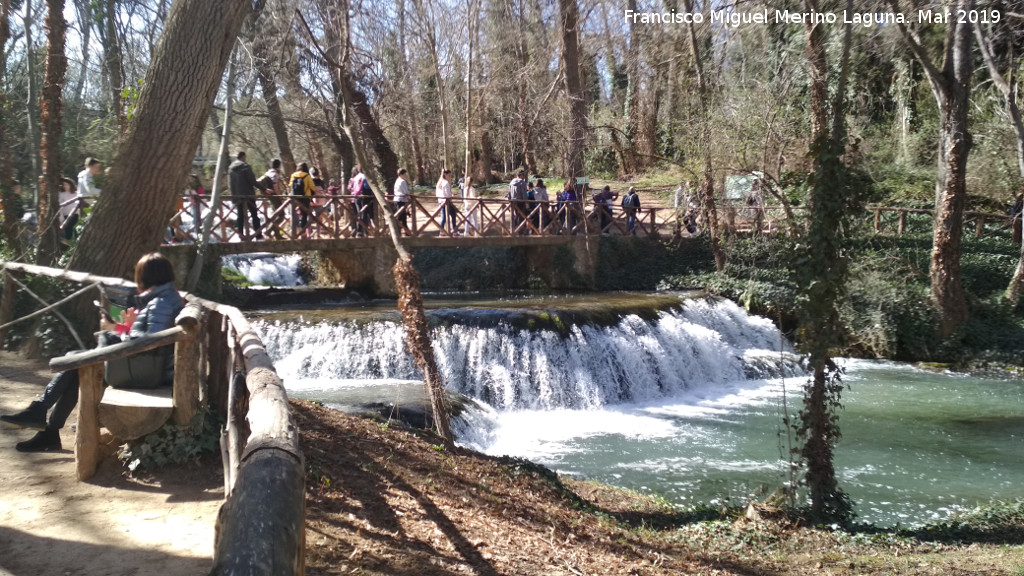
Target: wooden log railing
261,526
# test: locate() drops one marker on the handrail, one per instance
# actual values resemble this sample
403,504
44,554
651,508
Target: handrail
76,360
80,277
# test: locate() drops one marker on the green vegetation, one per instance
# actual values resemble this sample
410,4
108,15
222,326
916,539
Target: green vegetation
886,312
174,444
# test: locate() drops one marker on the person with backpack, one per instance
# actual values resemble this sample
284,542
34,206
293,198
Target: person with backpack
242,182
355,190
443,192
603,202
302,189
517,191
630,205
273,182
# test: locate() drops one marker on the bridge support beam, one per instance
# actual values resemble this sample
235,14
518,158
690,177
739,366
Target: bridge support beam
365,269
211,281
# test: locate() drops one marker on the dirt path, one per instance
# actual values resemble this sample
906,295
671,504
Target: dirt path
51,524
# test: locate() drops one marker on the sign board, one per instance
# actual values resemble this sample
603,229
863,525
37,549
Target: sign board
739,186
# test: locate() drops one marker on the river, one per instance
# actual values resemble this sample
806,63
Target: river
675,395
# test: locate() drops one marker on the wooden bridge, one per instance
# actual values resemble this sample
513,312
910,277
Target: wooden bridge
322,218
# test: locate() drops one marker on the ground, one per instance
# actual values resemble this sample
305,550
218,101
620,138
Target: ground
382,499
51,524
387,500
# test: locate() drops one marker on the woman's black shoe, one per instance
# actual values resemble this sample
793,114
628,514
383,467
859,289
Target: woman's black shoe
44,441
32,417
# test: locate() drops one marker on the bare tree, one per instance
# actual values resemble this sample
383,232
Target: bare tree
131,214
569,14
1009,91
708,188
407,279
951,86
51,112
7,196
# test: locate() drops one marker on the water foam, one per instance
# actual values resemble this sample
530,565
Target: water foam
265,269
706,343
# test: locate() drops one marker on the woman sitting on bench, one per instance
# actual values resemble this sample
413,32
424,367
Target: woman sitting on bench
156,307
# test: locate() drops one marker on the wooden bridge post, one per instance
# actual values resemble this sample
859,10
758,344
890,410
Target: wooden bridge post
903,223
87,439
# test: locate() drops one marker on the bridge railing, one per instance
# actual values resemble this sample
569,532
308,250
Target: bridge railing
338,217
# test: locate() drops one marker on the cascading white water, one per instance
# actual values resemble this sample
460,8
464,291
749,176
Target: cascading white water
702,343
266,269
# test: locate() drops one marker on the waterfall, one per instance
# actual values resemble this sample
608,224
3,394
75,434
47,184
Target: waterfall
266,269
701,343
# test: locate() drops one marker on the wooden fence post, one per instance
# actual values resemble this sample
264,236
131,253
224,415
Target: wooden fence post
979,226
6,304
878,220
903,223
217,353
87,439
186,367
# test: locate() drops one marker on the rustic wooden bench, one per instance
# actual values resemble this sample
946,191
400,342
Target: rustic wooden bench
132,413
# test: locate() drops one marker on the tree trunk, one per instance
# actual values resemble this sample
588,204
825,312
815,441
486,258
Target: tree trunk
951,86
822,279
7,196
269,88
33,97
51,113
472,14
131,214
1013,291
112,65
568,11
632,112
384,160
407,279
708,205
83,9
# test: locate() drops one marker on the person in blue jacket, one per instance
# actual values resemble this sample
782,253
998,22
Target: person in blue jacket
156,306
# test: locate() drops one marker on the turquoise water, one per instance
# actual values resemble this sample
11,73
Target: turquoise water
916,445
670,403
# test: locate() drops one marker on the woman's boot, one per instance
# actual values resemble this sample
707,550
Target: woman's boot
44,441
32,417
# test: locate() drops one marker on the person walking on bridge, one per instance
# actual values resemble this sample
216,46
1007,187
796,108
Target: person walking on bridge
243,183
402,199
302,189
443,192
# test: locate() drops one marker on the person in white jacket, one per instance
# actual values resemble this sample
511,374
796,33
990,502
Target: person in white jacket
445,204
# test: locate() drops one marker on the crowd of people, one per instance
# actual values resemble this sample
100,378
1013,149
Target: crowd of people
532,210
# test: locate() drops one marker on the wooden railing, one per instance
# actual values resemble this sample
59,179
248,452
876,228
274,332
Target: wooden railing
337,217
260,528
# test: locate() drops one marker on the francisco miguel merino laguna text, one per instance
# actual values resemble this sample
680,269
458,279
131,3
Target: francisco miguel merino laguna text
865,19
